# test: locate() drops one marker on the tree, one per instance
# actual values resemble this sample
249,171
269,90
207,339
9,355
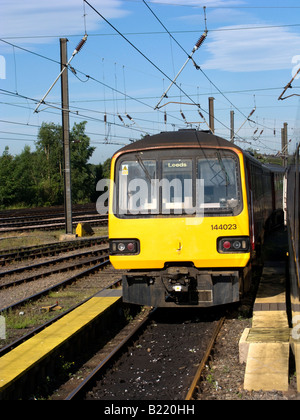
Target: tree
81,174
26,177
35,178
106,168
49,148
7,181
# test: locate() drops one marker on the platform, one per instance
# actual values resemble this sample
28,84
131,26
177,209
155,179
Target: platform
27,355
295,344
265,347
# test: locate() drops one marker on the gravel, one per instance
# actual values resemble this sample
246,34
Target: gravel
224,377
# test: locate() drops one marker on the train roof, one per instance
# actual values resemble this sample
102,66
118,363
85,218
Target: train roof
187,138
274,167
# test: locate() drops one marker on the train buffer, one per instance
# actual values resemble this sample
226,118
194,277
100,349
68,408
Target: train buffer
265,348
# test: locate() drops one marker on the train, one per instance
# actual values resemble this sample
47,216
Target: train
293,224
187,216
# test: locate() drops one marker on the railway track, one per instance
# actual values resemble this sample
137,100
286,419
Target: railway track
52,224
121,339
48,250
33,281
121,372
48,218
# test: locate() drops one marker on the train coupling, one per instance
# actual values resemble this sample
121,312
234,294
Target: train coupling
177,279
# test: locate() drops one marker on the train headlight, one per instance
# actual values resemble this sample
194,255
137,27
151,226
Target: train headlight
124,246
121,247
233,244
237,245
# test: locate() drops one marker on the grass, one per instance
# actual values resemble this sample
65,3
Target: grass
32,314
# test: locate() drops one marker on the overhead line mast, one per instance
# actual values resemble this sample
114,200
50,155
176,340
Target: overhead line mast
76,51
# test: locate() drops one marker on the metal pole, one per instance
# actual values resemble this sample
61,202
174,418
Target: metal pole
296,215
66,136
232,126
211,114
285,125
282,146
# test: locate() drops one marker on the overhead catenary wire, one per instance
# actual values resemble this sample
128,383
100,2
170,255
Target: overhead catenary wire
76,113
199,43
190,56
125,98
141,100
140,52
195,64
78,71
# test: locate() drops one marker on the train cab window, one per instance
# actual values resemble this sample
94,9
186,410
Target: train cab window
221,185
174,183
177,187
136,194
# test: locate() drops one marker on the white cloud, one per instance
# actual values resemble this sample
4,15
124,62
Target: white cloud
259,49
28,18
214,16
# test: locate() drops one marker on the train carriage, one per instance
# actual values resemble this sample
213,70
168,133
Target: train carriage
187,211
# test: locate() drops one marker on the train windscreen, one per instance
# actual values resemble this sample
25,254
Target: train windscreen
206,183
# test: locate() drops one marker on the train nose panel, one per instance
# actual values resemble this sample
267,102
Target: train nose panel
181,286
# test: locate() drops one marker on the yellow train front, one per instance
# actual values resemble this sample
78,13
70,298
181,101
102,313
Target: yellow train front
181,219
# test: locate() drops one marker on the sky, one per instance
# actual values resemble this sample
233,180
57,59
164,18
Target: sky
133,52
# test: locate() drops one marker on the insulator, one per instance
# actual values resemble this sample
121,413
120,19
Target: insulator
105,118
201,115
120,118
129,117
201,40
73,70
182,114
165,117
81,44
255,131
252,112
261,132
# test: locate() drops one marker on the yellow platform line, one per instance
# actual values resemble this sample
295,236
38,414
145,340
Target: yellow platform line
29,353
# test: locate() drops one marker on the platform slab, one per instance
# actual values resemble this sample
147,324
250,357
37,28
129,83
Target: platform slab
266,346
29,353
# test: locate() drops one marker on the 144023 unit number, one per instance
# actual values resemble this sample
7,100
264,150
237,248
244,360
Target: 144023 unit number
224,227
